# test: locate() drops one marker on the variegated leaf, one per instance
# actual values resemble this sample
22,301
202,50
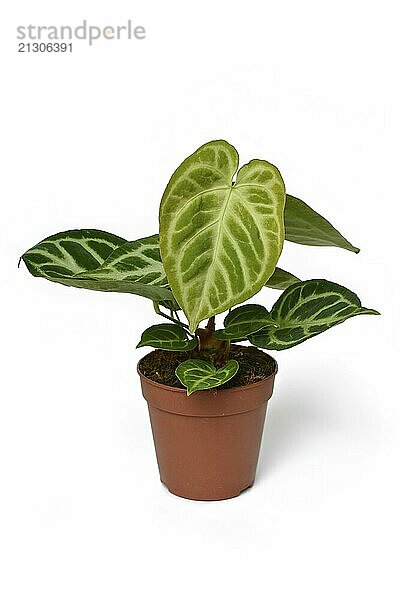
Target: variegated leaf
95,260
196,374
167,336
280,279
244,320
70,252
303,225
306,309
220,240
137,261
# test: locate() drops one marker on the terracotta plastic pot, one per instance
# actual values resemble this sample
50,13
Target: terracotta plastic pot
207,444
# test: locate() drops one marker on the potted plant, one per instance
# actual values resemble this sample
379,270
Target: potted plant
221,235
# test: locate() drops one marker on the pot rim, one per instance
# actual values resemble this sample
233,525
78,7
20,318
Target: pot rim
239,388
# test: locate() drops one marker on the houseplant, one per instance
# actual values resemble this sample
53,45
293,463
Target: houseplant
221,235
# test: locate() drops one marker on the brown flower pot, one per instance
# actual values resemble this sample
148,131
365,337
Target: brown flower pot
207,444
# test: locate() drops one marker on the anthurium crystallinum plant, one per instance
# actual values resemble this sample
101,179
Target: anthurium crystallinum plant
222,230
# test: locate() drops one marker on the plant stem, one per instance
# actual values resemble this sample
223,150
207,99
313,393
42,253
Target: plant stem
177,316
170,318
211,325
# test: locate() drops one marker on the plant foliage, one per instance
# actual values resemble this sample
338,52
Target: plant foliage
244,320
197,374
306,309
220,237
97,260
167,336
222,230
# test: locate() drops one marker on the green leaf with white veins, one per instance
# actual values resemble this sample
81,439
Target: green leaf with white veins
306,309
70,252
138,261
303,225
220,240
167,336
97,260
243,321
196,374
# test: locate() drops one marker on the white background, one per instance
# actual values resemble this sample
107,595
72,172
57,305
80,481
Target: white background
89,139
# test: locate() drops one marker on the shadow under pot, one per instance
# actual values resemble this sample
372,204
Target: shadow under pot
207,444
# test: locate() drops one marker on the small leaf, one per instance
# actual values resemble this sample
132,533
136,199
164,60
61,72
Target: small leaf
167,336
306,309
196,374
303,225
242,321
220,239
280,279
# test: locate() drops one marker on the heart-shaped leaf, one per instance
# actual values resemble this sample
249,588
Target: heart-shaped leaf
97,260
280,279
196,374
303,225
167,336
244,320
220,240
306,309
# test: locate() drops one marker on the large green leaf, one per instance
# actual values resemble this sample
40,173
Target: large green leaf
306,309
137,261
303,225
167,336
196,374
244,320
97,260
219,240
70,252
280,279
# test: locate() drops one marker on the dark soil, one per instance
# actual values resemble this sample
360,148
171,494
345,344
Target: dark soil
254,365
